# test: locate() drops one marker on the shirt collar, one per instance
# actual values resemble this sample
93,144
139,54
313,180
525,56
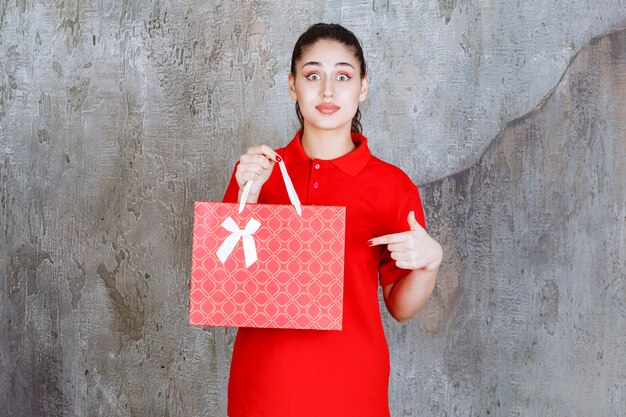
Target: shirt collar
351,163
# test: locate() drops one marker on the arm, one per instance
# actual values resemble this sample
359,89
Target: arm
406,297
421,255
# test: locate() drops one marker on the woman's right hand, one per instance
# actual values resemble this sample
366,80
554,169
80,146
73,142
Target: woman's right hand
255,165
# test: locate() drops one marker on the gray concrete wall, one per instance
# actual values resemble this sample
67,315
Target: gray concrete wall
116,116
529,314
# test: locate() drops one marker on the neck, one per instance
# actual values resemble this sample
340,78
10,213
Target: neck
327,144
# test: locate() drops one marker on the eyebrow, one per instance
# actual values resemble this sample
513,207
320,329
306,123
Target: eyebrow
338,64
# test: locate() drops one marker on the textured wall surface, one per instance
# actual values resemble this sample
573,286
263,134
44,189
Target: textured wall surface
529,314
115,116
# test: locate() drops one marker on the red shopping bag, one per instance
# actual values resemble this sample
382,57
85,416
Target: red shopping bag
265,265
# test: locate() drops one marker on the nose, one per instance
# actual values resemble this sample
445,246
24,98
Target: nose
328,90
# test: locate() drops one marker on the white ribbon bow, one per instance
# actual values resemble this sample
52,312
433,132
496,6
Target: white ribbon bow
249,249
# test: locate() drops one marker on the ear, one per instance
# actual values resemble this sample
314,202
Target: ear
364,86
292,87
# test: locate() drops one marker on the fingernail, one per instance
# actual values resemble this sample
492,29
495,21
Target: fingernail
278,158
370,243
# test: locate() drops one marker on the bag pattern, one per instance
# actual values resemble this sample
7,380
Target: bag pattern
296,280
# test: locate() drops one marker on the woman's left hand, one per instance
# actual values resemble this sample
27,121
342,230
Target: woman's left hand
414,249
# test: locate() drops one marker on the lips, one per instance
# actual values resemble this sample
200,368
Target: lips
327,108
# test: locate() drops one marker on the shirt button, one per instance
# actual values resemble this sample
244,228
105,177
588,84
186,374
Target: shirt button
317,166
316,185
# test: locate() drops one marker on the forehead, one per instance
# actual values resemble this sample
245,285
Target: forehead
329,52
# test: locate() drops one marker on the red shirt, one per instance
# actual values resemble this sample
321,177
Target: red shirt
319,373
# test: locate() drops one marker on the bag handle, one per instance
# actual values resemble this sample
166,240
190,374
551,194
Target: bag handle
291,191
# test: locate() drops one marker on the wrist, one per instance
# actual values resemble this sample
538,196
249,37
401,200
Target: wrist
438,258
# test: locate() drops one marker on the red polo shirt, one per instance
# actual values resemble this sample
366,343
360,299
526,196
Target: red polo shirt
318,373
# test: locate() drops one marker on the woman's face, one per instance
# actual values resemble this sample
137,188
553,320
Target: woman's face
328,85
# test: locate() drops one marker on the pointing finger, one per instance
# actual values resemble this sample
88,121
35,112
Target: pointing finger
387,239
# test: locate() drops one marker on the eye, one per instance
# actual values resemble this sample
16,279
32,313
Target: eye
313,77
343,77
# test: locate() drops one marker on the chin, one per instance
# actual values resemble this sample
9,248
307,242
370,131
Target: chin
330,126
328,123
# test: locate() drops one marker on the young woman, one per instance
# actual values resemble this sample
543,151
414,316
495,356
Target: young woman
302,373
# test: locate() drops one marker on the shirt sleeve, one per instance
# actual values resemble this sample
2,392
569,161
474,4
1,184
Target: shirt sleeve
232,191
388,271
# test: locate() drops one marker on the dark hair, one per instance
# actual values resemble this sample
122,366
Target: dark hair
333,32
